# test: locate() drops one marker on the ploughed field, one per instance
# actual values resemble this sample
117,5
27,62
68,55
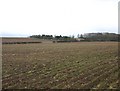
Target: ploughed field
80,65
5,40
19,40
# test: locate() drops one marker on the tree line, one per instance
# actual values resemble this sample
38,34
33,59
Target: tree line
57,37
84,37
101,37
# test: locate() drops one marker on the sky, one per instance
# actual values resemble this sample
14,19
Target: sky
57,17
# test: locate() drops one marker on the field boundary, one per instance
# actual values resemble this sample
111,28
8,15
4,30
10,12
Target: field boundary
19,42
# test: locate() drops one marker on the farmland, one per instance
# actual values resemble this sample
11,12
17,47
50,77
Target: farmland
19,40
80,65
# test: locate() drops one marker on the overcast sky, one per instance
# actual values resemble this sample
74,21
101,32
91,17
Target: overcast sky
57,17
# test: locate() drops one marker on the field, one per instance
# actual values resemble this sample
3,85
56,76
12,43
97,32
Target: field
10,40
81,65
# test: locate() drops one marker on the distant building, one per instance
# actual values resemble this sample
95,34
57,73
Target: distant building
80,39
